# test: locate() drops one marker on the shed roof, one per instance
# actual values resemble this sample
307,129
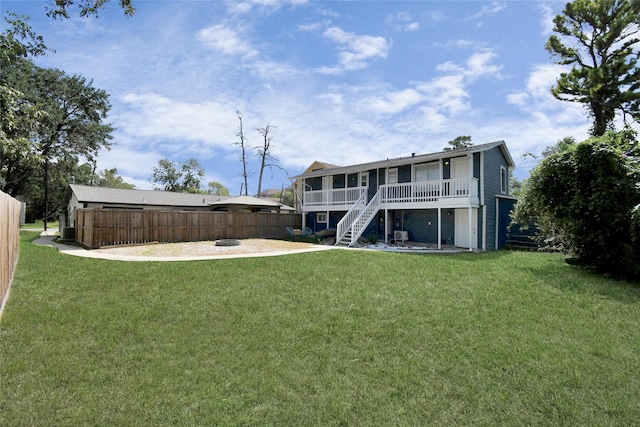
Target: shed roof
249,202
85,193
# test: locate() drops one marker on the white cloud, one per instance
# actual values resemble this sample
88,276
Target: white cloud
248,6
478,65
446,93
546,21
392,102
226,40
198,126
402,21
354,50
491,9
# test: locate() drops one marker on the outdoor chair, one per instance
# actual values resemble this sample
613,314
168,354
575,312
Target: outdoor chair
296,233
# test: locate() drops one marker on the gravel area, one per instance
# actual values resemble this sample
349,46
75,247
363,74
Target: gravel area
208,248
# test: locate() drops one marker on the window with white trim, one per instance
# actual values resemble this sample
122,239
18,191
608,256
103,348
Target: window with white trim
504,180
321,217
364,178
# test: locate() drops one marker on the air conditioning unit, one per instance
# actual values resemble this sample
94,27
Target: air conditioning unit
403,236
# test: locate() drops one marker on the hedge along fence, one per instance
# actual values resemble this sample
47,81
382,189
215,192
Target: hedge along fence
9,242
109,227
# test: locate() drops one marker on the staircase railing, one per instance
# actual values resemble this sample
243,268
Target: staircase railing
345,223
364,219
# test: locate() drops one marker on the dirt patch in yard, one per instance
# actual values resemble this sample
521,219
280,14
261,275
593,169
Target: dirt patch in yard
208,248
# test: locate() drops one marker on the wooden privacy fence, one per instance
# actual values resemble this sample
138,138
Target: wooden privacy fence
96,227
9,242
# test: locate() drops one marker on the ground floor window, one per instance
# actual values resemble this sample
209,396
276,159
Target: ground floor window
322,217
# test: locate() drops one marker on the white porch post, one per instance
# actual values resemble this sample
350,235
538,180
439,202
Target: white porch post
470,229
470,207
439,227
386,226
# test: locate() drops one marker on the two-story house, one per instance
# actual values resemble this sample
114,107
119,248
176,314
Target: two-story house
444,198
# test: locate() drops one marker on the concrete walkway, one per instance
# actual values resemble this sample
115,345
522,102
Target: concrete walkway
47,239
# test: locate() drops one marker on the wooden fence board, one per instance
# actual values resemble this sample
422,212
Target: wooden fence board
107,227
9,242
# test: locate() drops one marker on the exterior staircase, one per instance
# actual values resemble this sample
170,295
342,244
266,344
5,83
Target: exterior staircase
351,227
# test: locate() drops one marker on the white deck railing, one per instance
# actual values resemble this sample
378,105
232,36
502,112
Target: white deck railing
429,191
336,197
410,192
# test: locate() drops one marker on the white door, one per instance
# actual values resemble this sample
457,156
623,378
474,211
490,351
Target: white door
461,231
427,173
460,167
392,176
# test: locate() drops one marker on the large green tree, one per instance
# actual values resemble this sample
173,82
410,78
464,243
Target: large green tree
72,124
599,40
185,177
61,8
109,178
462,141
18,115
586,200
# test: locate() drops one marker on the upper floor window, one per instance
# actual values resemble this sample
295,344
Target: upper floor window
392,176
364,179
504,180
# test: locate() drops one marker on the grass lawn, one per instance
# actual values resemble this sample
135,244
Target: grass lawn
355,338
53,225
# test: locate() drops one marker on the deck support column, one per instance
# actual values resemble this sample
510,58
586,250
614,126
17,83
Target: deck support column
439,228
386,226
470,229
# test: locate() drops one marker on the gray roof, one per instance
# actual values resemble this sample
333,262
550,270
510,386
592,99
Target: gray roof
247,201
86,193
422,158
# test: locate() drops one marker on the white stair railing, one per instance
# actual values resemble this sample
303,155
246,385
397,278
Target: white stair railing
345,223
364,219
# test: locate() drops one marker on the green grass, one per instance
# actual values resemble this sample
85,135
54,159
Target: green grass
328,338
40,224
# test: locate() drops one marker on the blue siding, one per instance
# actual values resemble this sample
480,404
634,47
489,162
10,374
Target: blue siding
493,160
404,173
416,223
338,181
373,184
505,206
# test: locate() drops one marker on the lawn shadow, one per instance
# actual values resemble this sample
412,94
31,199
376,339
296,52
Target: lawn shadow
586,281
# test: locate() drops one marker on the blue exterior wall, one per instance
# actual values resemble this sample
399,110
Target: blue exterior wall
373,184
505,206
416,223
404,173
493,159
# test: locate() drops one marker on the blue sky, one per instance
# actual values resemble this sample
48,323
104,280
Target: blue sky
342,82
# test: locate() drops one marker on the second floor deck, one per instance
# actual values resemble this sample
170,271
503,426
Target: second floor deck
458,192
